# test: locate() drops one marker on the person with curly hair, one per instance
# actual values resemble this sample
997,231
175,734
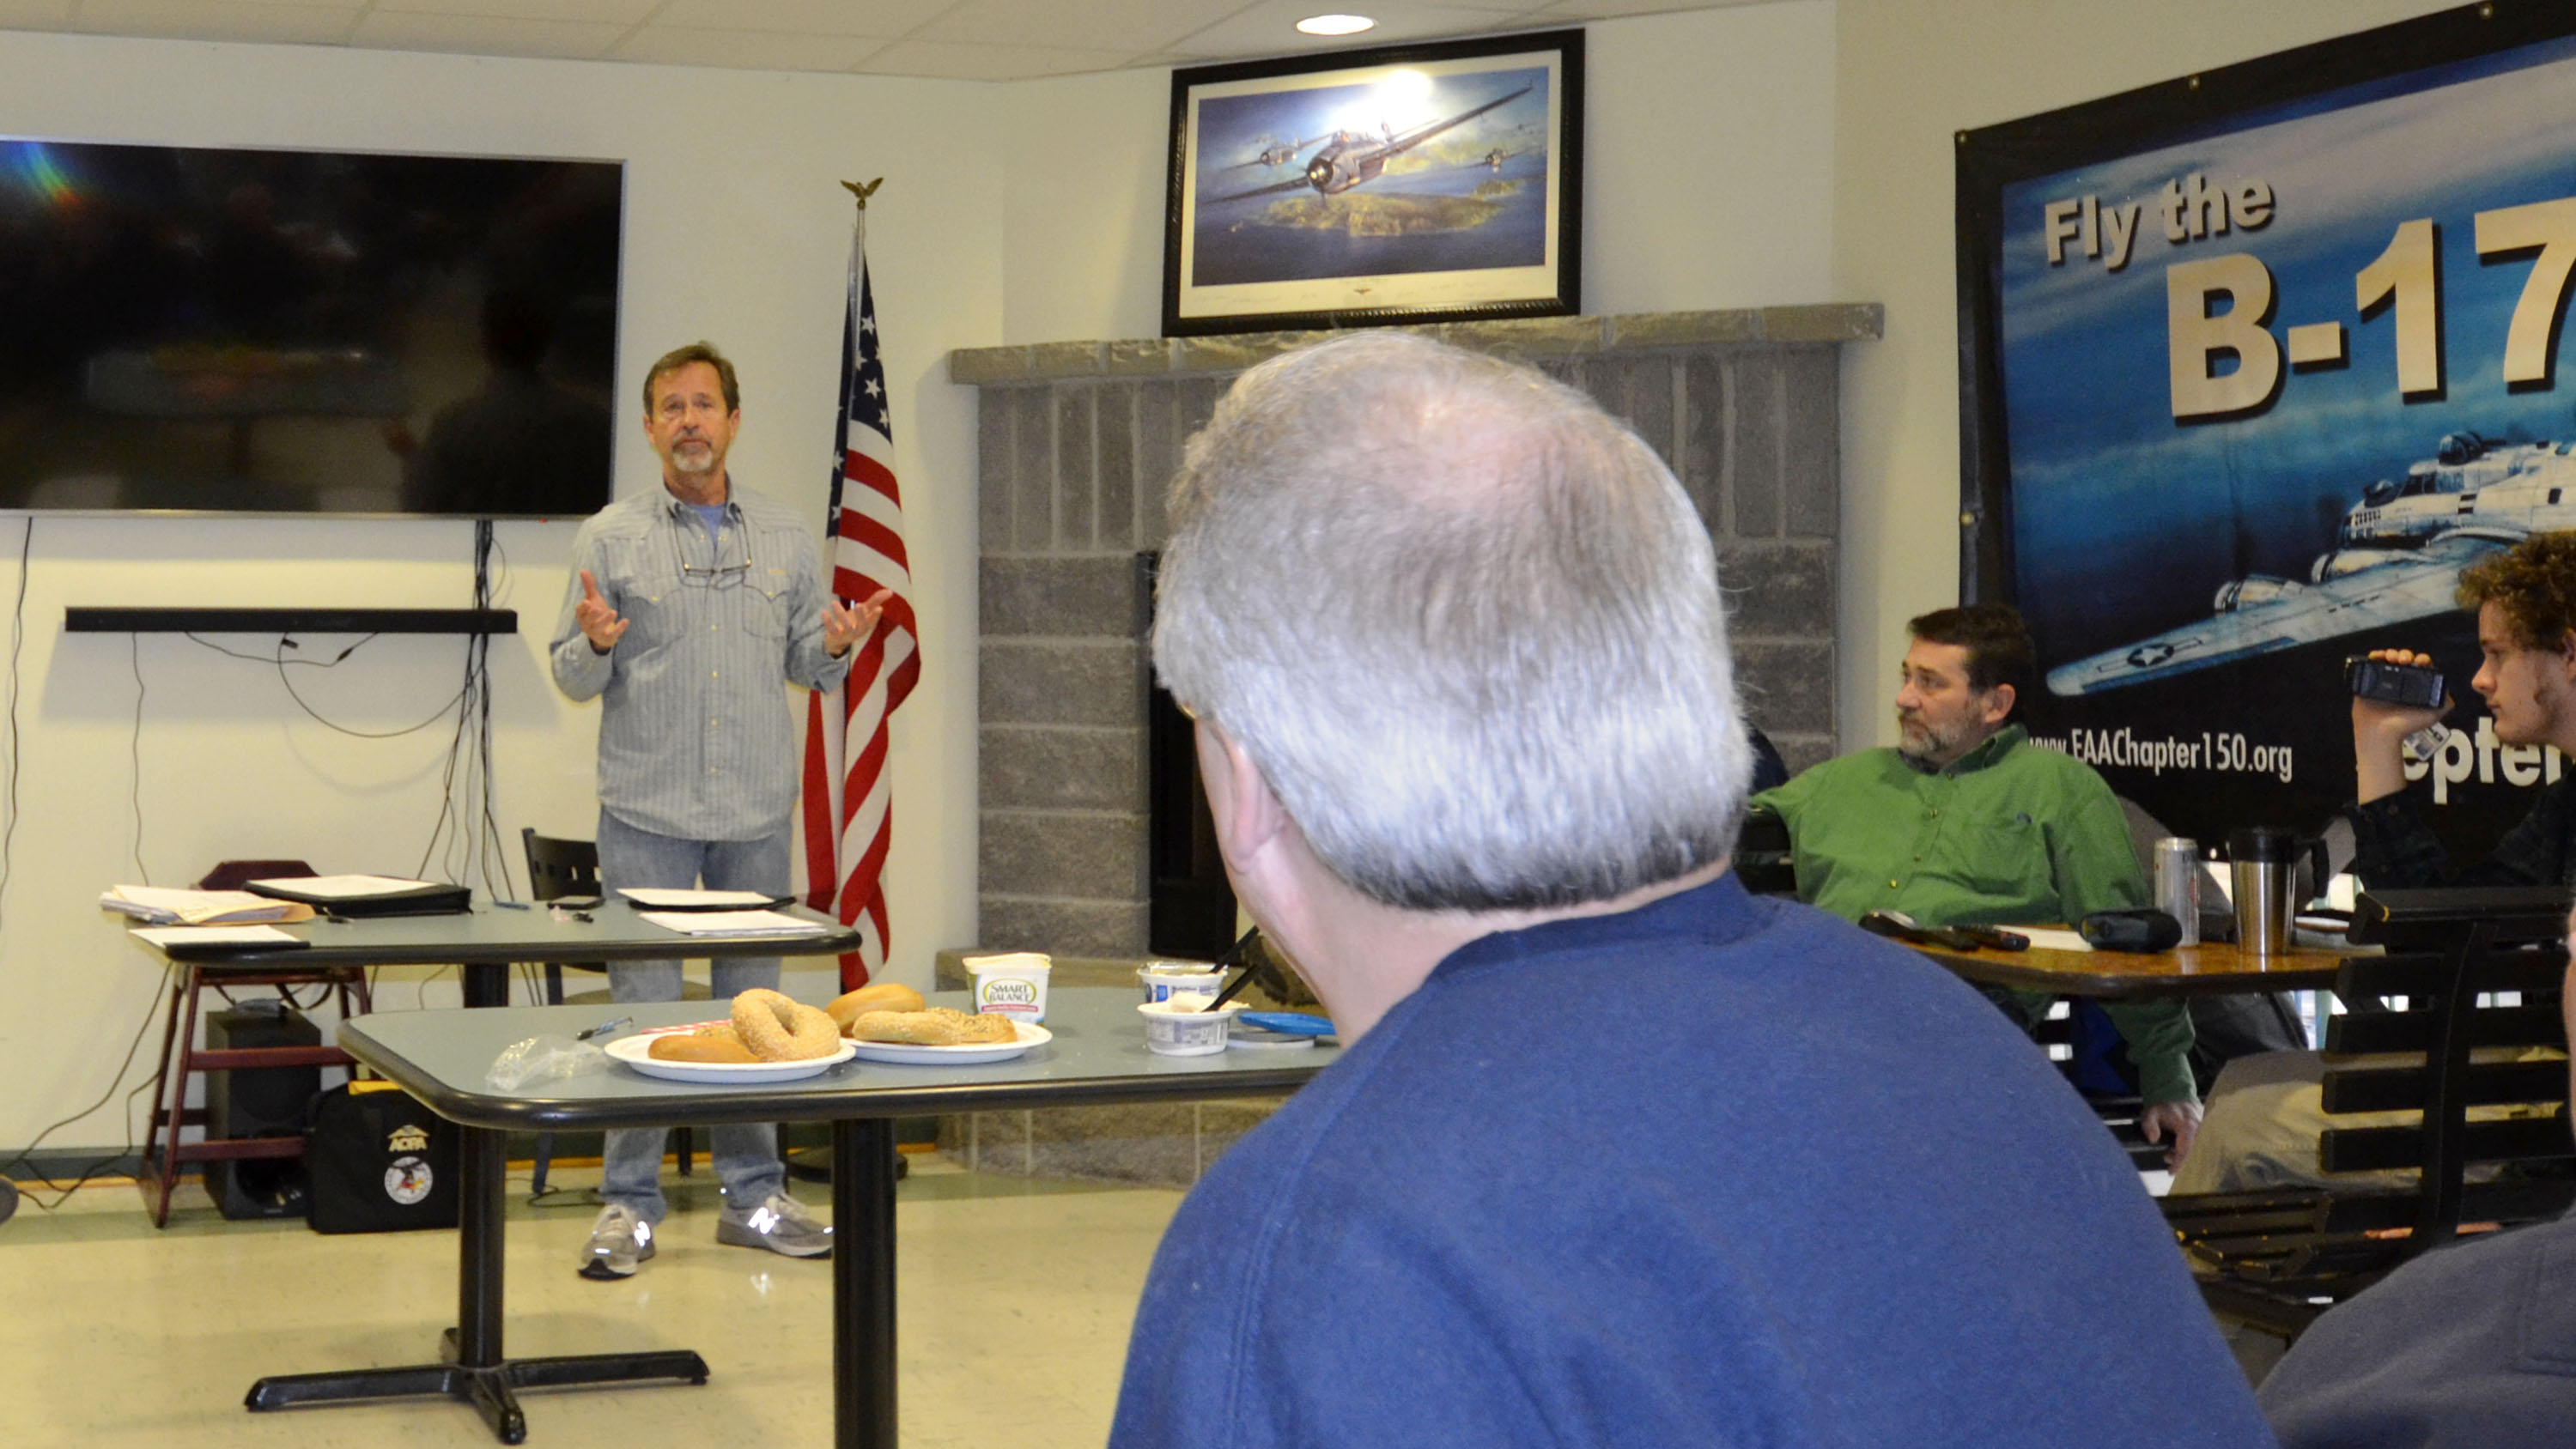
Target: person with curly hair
2265,1111
2526,603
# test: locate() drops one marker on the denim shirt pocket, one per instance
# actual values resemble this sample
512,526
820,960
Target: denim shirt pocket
770,585
647,580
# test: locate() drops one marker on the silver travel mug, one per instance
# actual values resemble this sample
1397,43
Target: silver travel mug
2261,863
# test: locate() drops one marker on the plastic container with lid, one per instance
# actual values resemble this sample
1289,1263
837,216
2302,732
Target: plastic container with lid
1180,1026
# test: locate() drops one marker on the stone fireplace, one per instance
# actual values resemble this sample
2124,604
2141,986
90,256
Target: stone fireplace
1076,440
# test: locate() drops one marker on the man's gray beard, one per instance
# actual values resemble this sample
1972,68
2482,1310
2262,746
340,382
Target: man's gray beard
1924,753
701,463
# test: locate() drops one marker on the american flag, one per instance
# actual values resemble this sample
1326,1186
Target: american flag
846,824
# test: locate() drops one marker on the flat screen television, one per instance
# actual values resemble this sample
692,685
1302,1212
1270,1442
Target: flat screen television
202,329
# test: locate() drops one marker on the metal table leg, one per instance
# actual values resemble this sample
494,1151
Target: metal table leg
863,1172
472,1367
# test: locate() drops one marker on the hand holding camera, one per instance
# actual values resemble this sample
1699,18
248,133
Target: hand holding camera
2398,699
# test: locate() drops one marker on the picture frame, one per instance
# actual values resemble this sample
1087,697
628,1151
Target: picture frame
1434,182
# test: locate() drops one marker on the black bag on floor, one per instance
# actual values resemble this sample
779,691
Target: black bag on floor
378,1161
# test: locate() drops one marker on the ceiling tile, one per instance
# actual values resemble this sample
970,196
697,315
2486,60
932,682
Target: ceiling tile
219,20
746,49
1131,26
1270,27
813,17
485,35
987,62
605,12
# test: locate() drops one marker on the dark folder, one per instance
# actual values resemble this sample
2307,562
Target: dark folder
424,900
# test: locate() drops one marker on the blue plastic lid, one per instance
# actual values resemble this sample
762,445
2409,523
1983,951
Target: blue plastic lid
1293,1023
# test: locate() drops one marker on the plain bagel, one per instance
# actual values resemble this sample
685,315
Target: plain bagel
875,996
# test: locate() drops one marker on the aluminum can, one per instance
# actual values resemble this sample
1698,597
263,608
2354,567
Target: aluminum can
2178,884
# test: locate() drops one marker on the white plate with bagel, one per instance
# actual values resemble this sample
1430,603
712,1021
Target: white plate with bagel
965,1054
635,1051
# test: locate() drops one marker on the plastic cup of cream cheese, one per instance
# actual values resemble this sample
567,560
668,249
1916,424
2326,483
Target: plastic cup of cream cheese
1181,1026
1161,978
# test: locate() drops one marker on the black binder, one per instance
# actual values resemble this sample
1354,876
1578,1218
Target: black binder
425,900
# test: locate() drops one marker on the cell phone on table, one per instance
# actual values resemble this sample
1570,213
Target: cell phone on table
575,903
2416,686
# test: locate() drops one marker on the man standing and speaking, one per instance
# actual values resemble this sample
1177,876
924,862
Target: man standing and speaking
690,603
1467,724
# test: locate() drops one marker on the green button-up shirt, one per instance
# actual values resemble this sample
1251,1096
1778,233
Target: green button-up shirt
2007,833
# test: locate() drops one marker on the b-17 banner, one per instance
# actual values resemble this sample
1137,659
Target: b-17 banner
2267,387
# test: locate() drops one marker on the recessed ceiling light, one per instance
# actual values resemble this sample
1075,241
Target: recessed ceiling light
1336,24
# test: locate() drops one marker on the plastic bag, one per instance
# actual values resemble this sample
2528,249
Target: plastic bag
547,1058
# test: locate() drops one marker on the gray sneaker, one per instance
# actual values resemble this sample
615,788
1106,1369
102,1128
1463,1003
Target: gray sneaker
780,1223
620,1241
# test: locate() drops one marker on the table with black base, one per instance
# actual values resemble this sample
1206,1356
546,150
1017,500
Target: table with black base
484,942
1098,1056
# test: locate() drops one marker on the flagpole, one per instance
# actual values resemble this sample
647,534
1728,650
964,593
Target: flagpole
845,816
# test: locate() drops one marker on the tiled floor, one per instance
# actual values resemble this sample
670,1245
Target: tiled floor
1014,1301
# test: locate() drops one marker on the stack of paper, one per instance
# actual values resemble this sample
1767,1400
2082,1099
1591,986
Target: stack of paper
163,906
734,923
662,898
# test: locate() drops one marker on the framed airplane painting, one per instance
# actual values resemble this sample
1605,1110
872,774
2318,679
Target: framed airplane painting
1413,183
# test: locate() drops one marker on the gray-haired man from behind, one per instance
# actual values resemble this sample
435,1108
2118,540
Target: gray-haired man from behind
1467,722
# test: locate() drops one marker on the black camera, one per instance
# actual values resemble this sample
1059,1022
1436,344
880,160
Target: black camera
2412,685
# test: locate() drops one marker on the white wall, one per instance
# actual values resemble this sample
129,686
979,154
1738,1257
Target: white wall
1708,147
735,230
1908,76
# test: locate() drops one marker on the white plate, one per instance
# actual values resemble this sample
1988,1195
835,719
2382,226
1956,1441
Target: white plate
634,1052
909,1054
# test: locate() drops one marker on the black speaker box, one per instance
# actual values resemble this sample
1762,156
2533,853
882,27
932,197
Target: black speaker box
259,1102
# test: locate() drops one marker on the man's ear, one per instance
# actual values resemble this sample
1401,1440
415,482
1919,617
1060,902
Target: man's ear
1999,703
1248,815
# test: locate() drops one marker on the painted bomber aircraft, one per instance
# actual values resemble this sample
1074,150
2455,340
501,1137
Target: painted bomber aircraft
1354,157
2397,556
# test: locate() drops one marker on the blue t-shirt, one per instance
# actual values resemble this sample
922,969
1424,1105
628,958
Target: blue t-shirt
1717,1170
713,516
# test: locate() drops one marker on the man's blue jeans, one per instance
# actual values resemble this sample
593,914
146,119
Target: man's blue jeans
746,1154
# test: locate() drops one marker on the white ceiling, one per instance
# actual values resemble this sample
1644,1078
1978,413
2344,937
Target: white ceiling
956,39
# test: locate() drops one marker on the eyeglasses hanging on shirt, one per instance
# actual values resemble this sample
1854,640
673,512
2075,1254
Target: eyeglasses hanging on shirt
716,574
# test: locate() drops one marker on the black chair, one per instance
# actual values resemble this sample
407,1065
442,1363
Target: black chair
1763,860
568,868
2276,1259
561,868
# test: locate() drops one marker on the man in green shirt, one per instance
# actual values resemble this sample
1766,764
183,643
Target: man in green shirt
1967,822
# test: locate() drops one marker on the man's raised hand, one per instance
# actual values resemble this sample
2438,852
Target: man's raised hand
845,627
599,623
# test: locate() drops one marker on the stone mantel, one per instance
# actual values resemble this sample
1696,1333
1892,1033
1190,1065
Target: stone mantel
1526,337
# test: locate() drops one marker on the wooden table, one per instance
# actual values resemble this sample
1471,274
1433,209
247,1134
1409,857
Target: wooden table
1098,1055
2213,968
